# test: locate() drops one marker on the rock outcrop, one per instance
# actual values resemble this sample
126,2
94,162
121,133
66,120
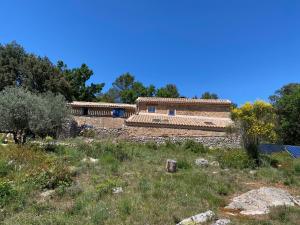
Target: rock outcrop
259,201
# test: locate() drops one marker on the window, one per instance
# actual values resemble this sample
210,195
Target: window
85,111
118,112
172,112
151,109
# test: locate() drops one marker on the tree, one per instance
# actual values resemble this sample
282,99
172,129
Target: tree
256,123
38,74
18,68
169,91
77,78
208,95
23,113
126,90
286,102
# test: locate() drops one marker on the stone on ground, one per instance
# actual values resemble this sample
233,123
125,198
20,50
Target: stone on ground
199,218
221,222
201,162
259,201
90,160
117,190
46,195
171,165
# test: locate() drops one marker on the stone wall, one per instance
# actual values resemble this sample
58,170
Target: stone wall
212,110
215,142
127,133
100,122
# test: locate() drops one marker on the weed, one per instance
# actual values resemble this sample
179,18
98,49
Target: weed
107,185
6,192
183,164
195,147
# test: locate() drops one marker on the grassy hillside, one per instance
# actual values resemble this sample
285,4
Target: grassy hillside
83,190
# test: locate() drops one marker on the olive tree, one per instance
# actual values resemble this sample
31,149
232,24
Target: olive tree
23,113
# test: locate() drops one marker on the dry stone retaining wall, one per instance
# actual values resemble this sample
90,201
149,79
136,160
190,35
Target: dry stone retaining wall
210,141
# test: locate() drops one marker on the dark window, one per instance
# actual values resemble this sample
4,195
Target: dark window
85,111
209,123
172,112
151,109
118,112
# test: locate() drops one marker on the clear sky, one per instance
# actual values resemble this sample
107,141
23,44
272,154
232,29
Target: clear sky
242,50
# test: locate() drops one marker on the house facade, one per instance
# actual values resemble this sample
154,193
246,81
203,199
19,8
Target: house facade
153,116
102,109
182,113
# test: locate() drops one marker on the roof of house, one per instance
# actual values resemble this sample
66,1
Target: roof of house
102,105
186,121
183,100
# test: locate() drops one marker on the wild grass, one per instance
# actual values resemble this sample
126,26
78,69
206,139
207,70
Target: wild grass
83,191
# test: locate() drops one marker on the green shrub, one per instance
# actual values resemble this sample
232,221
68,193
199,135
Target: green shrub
88,133
170,145
53,178
6,192
107,185
183,164
100,214
237,159
125,207
297,167
5,168
117,150
151,145
195,147
144,185
285,214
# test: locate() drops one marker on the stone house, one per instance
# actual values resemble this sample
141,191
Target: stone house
180,116
100,114
153,116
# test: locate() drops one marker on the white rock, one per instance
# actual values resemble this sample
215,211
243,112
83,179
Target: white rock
221,222
117,190
201,162
252,172
47,195
90,160
214,163
199,218
258,201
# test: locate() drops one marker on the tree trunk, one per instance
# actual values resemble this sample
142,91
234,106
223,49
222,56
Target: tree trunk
171,166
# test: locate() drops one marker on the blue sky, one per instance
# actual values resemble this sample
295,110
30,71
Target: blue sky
242,50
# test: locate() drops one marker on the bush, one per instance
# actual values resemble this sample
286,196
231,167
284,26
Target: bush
151,145
53,178
195,147
5,168
183,164
6,192
237,159
107,185
297,167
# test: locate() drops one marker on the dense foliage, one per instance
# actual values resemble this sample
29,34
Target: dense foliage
256,123
126,89
208,95
38,74
286,102
24,113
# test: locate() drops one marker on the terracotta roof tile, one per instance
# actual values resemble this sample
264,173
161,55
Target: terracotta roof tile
187,121
102,105
183,100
